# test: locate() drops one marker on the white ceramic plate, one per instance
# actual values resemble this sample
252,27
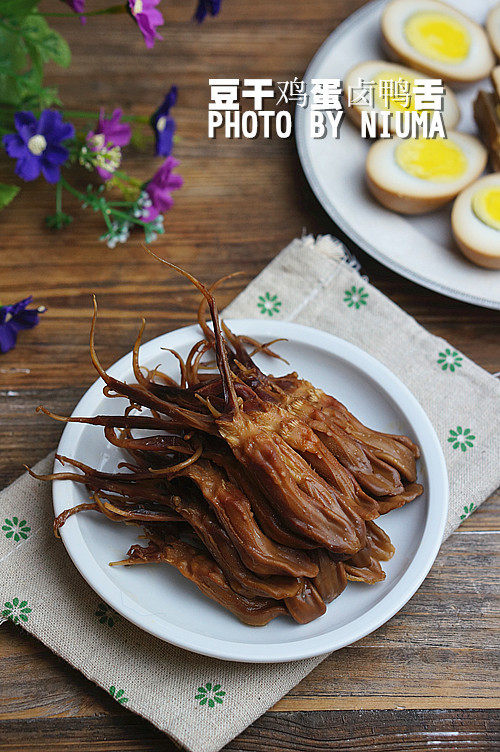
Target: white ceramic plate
158,599
419,248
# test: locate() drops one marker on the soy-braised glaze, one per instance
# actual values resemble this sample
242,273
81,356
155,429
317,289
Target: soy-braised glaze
261,490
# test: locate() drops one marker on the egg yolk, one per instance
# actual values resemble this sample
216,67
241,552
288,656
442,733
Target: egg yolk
486,206
438,160
395,86
438,36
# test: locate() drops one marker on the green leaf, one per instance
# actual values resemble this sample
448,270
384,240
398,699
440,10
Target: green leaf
49,44
7,194
16,8
57,48
35,56
12,51
29,85
10,90
26,92
48,96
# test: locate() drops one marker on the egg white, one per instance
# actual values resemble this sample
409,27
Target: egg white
477,240
399,191
369,69
493,28
476,65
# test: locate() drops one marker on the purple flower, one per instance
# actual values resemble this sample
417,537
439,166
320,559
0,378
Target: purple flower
114,132
207,6
15,317
37,144
78,6
107,139
148,18
159,189
164,125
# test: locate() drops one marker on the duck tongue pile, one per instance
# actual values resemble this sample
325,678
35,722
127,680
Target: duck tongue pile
261,490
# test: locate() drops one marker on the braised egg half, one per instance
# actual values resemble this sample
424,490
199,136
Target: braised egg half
475,221
434,37
493,28
416,175
375,76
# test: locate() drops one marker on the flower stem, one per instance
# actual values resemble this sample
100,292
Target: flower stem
143,119
126,118
64,184
58,197
111,210
107,220
126,178
83,198
121,8
128,217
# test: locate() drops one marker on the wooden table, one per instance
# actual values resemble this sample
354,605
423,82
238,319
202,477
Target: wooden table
428,678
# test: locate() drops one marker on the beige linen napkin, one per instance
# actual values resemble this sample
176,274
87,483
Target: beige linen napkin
203,703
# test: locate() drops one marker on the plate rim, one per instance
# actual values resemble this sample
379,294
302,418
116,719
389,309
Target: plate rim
316,645
327,203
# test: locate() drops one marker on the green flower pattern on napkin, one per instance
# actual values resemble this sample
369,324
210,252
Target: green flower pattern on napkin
355,297
118,694
106,614
16,610
269,304
467,510
16,529
449,359
460,438
210,694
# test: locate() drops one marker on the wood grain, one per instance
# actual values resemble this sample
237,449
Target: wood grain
373,731
427,679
